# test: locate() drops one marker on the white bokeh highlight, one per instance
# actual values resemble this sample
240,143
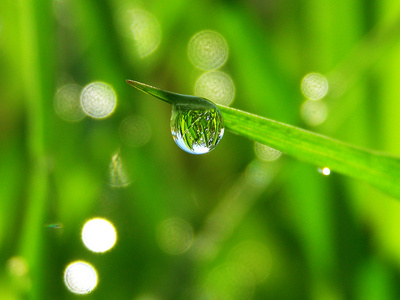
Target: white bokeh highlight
98,100
208,50
216,86
145,31
99,235
80,277
314,86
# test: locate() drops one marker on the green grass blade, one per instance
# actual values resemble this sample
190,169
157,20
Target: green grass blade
379,169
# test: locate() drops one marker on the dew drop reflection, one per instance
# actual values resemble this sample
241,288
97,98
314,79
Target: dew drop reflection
67,103
80,277
98,100
314,86
135,131
265,152
314,112
145,30
196,130
99,235
175,236
208,50
119,177
215,86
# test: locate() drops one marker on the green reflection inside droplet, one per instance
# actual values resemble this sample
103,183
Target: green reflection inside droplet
196,129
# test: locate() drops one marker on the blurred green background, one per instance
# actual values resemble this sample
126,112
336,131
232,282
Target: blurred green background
224,225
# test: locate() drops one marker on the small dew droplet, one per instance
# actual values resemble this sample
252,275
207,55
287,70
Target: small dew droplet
196,129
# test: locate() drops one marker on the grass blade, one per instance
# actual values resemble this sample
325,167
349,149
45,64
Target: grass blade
379,169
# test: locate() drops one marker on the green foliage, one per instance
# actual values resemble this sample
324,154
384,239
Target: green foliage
225,224
379,169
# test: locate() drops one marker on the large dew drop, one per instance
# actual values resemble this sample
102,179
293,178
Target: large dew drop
196,130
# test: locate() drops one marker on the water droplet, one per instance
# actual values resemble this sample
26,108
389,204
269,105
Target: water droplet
314,86
196,129
208,50
216,86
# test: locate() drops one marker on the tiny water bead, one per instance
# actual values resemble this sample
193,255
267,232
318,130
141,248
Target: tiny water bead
195,129
208,50
98,100
314,86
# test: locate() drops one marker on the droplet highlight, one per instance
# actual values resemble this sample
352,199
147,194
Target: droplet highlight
216,86
196,129
80,277
208,50
98,100
314,86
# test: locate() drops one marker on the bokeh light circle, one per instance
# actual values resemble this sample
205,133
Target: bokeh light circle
80,277
175,236
67,102
145,30
314,86
98,100
265,152
99,235
135,131
314,112
208,50
216,86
